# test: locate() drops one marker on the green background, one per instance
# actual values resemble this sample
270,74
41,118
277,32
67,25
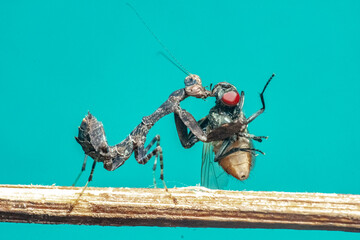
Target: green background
59,59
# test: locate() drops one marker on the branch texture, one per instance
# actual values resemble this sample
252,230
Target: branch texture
179,207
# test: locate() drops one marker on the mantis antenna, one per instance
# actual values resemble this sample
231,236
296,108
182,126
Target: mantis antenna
173,59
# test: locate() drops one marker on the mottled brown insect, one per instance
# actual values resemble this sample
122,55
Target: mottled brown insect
92,137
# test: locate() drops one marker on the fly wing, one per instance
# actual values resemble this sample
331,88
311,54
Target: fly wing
212,174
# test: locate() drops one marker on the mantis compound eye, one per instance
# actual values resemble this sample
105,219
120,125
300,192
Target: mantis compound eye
231,98
189,81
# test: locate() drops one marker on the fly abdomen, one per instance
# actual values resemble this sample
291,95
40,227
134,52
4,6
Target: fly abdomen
238,164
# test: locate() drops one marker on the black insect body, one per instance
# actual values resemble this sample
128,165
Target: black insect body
228,109
226,128
93,140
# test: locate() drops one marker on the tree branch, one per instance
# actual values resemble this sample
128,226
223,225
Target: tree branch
179,207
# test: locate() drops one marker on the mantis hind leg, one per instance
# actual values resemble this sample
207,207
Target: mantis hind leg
82,170
84,188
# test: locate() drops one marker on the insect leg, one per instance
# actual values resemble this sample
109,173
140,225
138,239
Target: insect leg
154,168
255,115
83,190
189,121
92,171
222,150
251,136
143,157
252,150
155,161
82,170
188,139
226,143
242,99
89,180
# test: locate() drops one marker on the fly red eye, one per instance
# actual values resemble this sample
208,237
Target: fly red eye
231,98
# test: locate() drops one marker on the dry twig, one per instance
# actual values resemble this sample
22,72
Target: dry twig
185,207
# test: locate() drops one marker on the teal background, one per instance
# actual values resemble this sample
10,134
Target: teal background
59,59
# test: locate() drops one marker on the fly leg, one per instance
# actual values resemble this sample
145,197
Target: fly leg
251,136
241,103
222,153
82,170
251,150
222,150
255,115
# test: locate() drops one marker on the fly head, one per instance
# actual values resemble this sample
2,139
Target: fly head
226,94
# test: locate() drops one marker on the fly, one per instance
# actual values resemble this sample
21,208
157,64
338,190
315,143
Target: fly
227,136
